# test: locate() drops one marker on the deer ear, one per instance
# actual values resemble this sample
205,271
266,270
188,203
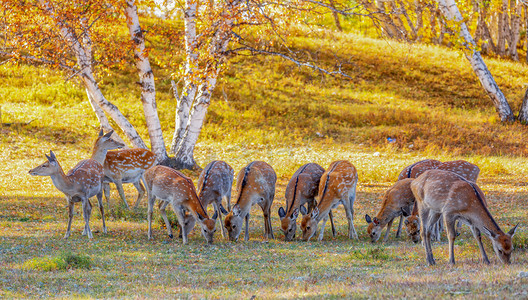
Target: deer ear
101,132
282,213
315,212
406,222
236,210
404,212
215,215
303,210
222,209
109,134
368,219
488,232
295,214
376,221
512,231
52,155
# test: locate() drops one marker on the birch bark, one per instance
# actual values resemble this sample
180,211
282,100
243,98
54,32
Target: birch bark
146,80
450,11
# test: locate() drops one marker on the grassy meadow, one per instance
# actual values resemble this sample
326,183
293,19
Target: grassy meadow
424,97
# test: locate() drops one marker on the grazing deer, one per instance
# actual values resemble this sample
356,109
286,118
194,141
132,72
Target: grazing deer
461,167
127,166
214,184
188,220
412,226
445,194
337,186
172,186
82,182
398,200
255,185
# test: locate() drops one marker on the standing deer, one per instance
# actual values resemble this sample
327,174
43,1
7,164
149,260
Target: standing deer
214,184
463,168
82,182
337,186
255,185
398,200
445,194
302,188
172,186
127,166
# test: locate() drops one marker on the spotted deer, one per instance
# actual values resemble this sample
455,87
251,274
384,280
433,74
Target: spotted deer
255,185
445,194
214,184
461,167
127,166
171,186
337,186
82,182
398,200
301,189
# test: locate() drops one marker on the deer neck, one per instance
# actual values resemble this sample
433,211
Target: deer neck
99,155
60,180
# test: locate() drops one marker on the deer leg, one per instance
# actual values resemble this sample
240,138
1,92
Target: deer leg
87,211
389,225
181,220
321,233
70,218
268,220
224,230
351,200
228,199
246,236
163,213
399,227
451,235
119,186
332,223
150,211
426,235
478,237
141,192
106,190
101,208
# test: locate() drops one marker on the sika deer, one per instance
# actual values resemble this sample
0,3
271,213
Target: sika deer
127,166
450,196
214,184
255,185
337,186
172,186
301,189
398,200
82,182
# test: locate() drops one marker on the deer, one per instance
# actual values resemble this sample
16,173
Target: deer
447,195
397,201
214,184
169,185
301,189
82,182
255,185
337,186
463,168
127,166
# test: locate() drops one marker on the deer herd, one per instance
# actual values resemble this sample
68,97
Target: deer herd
429,194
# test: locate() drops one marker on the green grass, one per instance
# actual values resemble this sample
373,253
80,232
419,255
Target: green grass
424,96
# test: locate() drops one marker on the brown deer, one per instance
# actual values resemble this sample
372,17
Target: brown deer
172,186
82,182
127,166
461,167
255,185
448,195
398,200
214,184
302,188
337,186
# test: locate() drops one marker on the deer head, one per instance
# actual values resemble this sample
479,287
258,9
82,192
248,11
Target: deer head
502,243
374,228
233,223
309,224
412,228
288,224
208,227
50,167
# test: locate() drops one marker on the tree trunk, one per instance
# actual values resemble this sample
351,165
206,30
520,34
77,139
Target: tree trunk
502,28
515,29
523,112
450,11
336,16
84,61
146,80
184,103
381,16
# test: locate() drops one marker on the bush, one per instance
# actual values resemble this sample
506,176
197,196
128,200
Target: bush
63,261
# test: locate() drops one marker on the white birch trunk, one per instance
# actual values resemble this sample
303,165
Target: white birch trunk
146,80
515,29
86,74
450,11
184,103
523,112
